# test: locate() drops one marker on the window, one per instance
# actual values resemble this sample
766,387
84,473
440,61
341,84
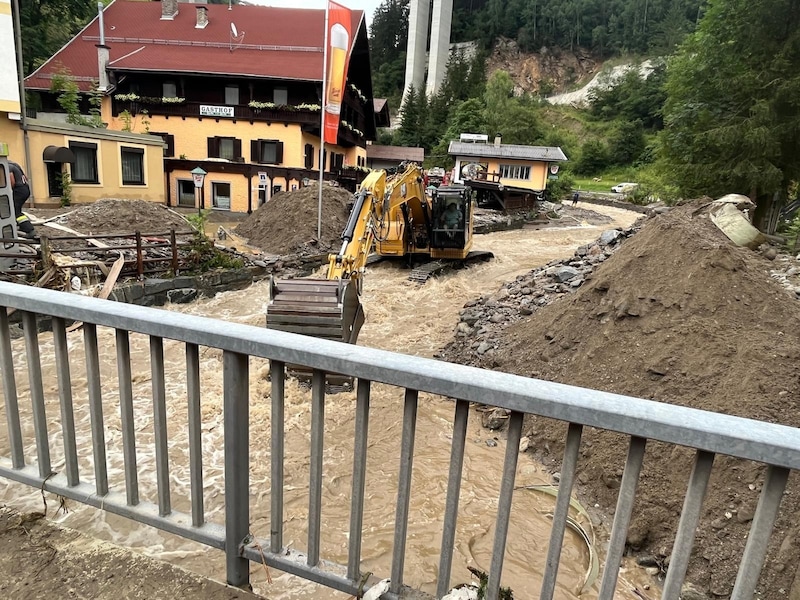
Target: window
266,151
224,147
221,195
169,89
515,172
232,94
337,161
280,96
186,192
84,170
309,156
132,160
169,141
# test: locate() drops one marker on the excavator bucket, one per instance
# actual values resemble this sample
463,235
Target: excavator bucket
321,308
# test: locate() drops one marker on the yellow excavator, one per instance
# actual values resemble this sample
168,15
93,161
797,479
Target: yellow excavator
393,216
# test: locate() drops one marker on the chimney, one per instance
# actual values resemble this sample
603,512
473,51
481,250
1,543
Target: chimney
498,138
102,51
169,8
202,16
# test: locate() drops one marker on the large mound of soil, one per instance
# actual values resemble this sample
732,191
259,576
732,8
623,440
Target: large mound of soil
122,216
679,315
288,222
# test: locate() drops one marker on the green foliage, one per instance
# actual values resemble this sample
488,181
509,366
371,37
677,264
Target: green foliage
626,143
559,189
388,36
127,120
66,188
732,118
199,221
633,98
204,256
791,231
593,159
69,98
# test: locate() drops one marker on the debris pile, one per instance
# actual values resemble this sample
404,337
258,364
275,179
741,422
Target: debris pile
287,224
111,215
678,314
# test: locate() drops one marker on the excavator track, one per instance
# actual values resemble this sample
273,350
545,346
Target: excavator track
422,273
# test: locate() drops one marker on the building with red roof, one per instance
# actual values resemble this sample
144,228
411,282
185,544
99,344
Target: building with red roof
235,91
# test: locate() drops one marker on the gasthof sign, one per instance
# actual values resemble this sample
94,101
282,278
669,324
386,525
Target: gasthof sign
207,110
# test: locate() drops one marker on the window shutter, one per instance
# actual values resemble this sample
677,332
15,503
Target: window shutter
255,151
237,149
279,153
309,156
213,147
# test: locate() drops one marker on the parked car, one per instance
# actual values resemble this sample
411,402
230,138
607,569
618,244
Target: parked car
624,187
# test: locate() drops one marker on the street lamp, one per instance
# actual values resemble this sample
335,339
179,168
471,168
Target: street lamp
199,176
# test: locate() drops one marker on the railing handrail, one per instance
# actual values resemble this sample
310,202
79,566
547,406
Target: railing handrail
749,439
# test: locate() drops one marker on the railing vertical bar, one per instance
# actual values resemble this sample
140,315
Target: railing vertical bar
504,505
453,493
760,532
690,516
95,408
126,415
568,468
359,479
61,350
10,393
277,371
236,413
622,517
315,483
195,432
34,361
160,423
404,489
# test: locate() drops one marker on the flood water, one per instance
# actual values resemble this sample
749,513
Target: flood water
401,316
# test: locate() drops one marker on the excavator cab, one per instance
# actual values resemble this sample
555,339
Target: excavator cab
451,217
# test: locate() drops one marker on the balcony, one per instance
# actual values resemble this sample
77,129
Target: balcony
192,110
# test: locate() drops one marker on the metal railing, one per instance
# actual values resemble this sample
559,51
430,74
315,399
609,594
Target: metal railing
774,445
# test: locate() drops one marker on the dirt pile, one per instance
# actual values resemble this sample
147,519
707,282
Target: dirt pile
110,215
287,224
679,315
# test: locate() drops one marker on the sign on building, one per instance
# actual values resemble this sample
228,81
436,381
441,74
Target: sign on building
207,110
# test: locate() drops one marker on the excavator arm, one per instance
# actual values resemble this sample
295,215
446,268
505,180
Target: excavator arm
330,308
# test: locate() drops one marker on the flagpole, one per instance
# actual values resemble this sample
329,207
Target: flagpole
322,124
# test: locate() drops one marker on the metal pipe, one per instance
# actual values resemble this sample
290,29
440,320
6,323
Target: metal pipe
61,350
160,423
10,393
315,467
277,370
23,103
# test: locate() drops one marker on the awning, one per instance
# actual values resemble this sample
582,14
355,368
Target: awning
58,154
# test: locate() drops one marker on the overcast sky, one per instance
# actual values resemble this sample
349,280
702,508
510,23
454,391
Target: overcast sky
368,6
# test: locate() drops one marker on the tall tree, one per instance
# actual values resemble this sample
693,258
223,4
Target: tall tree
46,25
732,116
388,36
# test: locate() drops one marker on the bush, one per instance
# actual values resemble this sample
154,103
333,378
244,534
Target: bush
558,189
593,159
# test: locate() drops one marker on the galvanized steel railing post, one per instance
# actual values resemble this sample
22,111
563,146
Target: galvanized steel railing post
504,505
622,517
37,393
404,489
359,479
315,466
235,374
760,531
10,393
277,375
453,493
561,512
126,416
160,423
96,408
690,515
195,432
61,350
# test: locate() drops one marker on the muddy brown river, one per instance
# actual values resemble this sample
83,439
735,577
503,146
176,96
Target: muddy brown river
401,316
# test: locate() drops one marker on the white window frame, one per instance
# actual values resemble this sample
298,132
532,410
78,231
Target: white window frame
139,151
519,172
